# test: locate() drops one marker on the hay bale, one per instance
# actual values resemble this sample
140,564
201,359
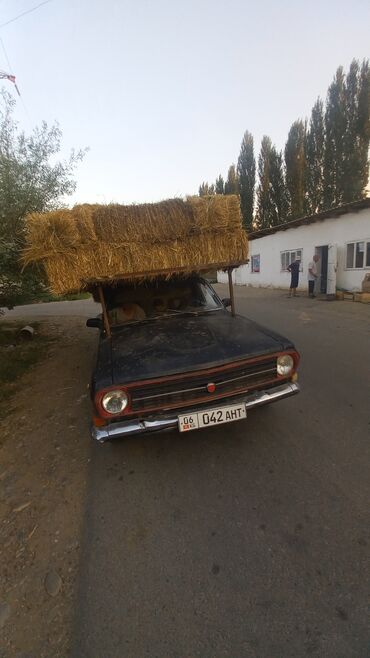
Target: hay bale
55,235
91,243
85,268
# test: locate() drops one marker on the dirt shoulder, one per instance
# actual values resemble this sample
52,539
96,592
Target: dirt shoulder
44,455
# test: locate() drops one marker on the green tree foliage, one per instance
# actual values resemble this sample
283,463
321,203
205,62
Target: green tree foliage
206,190
335,130
246,171
265,212
363,116
295,165
356,138
232,182
315,145
326,162
31,180
272,201
220,185
278,189
347,133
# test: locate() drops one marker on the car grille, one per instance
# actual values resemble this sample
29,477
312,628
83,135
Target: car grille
186,390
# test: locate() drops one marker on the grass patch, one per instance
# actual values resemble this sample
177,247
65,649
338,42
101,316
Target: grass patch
49,297
16,357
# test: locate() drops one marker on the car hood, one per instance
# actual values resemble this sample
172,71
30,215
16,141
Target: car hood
184,343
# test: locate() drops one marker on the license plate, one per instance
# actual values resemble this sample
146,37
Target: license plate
211,417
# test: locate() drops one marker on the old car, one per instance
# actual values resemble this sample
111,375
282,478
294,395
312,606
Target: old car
177,358
171,354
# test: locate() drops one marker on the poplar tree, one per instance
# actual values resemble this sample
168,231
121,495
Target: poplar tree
232,183
356,162
335,129
247,178
364,126
295,164
205,189
220,185
315,145
278,189
351,183
265,211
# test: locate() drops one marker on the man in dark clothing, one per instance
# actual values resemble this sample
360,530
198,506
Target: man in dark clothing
293,268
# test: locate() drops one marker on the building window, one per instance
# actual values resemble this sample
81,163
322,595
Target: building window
358,255
288,257
255,263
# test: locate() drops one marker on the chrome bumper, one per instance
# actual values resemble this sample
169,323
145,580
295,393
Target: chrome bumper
129,427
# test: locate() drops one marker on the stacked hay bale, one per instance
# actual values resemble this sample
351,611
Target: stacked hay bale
94,244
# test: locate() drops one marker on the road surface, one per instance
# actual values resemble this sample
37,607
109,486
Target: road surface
248,540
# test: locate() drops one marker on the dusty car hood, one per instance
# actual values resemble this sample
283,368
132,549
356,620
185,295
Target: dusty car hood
184,343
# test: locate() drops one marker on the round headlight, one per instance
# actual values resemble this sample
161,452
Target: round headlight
115,402
285,365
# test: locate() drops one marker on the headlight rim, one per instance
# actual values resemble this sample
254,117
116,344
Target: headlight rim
289,369
112,392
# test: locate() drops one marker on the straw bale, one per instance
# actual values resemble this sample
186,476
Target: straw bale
93,243
83,219
174,219
157,222
57,234
92,264
216,212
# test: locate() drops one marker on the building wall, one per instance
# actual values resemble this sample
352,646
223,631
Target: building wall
349,227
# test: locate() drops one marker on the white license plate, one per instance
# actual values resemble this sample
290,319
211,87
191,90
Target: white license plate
211,417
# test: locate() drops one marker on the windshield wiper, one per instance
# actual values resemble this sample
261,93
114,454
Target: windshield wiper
168,314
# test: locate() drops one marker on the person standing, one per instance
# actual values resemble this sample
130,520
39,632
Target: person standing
293,268
312,275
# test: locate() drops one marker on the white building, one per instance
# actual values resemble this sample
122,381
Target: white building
340,236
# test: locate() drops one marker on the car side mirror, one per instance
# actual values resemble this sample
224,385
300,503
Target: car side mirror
226,302
97,323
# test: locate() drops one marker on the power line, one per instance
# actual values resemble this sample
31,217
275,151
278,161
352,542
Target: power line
25,12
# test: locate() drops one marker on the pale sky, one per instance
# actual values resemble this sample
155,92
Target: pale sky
162,91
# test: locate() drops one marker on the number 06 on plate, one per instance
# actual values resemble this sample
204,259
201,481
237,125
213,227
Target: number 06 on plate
194,421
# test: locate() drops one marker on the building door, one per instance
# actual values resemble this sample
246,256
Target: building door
323,269
332,270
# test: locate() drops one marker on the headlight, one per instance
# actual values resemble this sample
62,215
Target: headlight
285,365
115,402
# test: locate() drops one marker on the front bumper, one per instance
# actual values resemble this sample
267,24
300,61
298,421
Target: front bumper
129,427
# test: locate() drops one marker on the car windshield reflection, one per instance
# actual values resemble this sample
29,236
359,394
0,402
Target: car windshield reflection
142,302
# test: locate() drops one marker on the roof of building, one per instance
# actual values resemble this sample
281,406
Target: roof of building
354,206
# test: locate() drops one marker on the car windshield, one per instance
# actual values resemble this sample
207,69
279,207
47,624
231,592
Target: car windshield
157,299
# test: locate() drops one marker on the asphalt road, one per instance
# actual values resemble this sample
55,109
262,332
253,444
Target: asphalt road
248,540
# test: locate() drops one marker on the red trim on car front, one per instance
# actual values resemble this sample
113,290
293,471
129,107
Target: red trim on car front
183,376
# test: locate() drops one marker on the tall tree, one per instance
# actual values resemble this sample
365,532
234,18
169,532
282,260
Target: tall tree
295,164
335,129
232,182
356,140
272,199
265,210
32,179
206,190
247,178
220,185
363,114
350,180
278,189
315,144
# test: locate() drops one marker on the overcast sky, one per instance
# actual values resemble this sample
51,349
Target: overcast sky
162,91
